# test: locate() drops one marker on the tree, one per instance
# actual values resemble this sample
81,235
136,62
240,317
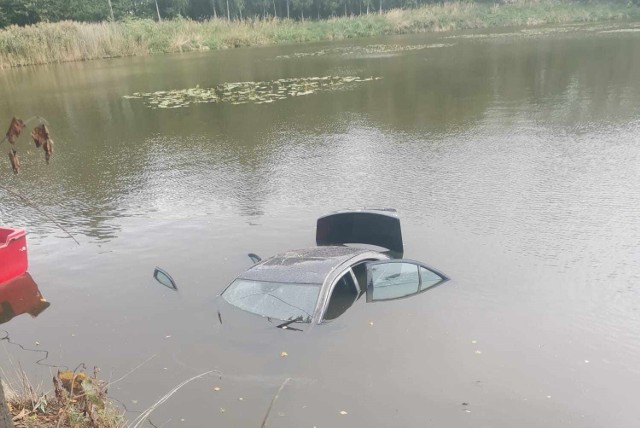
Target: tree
213,6
301,6
20,12
172,8
111,11
240,4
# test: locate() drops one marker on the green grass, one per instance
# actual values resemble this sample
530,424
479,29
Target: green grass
75,41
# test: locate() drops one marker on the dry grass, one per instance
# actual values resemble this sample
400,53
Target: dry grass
77,400
74,41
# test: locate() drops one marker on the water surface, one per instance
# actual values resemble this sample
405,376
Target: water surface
513,159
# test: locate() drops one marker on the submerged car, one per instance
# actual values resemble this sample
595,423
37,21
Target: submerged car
316,285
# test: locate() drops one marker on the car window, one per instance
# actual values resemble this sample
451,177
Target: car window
428,278
283,301
342,297
394,280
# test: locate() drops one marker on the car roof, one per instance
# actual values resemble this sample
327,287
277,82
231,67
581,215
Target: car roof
304,266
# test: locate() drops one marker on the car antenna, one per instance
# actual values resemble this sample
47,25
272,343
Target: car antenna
254,258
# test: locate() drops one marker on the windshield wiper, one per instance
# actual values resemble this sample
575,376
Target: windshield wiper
286,324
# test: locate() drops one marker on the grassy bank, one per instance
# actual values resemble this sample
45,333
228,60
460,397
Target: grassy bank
78,400
73,41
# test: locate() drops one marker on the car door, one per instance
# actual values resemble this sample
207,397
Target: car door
382,280
399,279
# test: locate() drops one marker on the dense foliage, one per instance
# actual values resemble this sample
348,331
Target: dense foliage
24,12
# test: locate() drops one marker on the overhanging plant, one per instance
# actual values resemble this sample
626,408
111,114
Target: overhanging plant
39,134
42,139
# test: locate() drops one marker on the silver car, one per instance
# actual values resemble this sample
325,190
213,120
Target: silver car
317,285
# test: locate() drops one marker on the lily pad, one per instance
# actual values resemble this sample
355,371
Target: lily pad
237,93
360,50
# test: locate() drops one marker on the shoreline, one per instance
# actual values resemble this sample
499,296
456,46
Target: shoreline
68,41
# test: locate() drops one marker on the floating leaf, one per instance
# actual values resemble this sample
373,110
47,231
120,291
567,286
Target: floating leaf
237,93
283,354
366,50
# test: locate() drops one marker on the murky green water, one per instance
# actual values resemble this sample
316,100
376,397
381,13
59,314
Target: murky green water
514,160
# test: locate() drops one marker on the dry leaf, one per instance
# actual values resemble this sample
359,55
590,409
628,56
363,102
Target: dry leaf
283,354
40,135
15,162
20,415
15,128
72,381
48,149
41,138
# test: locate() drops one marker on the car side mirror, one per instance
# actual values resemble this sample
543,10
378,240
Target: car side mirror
164,278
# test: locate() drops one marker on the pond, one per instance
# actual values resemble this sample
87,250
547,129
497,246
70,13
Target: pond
513,159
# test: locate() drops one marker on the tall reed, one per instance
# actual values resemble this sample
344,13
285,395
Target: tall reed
74,41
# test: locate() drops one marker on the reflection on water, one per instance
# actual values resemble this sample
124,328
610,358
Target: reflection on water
513,162
20,296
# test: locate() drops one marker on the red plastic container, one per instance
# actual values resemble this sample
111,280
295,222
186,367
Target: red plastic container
13,253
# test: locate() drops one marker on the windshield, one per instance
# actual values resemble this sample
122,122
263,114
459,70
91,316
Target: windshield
280,300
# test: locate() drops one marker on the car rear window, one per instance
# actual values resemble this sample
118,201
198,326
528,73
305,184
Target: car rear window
280,300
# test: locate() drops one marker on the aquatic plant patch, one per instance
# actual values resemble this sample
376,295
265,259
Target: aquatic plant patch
248,92
364,50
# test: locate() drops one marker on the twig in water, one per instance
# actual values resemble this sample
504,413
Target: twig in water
161,425
40,210
273,401
133,369
5,337
141,418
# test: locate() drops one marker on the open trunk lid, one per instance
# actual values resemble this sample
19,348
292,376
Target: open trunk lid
380,227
